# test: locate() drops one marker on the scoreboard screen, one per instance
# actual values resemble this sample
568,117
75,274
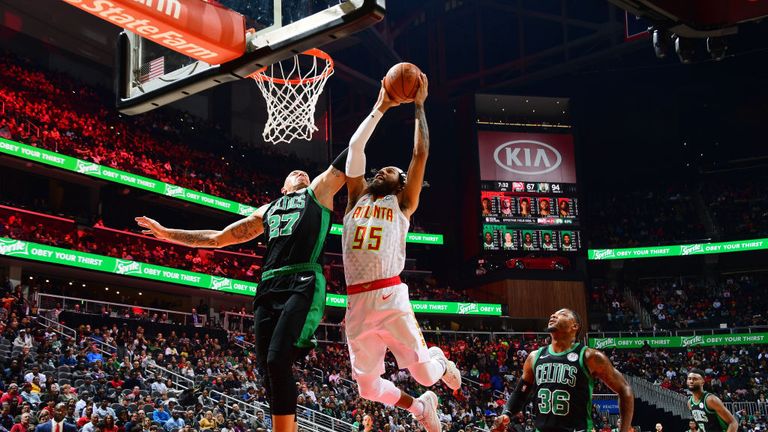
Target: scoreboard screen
528,198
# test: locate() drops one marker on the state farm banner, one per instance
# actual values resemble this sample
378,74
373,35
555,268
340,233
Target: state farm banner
526,157
195,28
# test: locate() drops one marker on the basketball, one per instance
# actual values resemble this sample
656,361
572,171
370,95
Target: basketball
402,82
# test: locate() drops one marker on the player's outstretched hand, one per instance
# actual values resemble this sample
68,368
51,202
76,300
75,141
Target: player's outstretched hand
152,227
385,102
423,91
500,423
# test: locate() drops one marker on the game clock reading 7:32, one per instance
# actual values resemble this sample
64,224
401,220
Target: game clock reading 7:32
529,217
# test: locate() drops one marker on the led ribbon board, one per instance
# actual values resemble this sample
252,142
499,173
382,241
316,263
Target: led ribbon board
679,250
679,341
66,257
125,178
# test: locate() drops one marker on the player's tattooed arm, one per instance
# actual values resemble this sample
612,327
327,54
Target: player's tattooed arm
238,232
327,184
601,368
409,197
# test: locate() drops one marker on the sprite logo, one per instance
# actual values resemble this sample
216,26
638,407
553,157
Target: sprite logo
692,341
245,210
220,283
468,308
87,168
692,249
604,254
13,247
173,191
605,343
127,267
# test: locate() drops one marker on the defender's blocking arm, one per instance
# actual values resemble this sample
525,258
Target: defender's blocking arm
244,230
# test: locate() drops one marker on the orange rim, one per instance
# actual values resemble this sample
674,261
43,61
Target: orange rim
261,76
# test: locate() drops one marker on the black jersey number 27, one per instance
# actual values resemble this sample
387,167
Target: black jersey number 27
282,225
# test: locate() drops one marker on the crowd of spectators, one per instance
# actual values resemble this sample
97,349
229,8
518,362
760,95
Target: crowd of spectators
738,205
696,302
56,112
609,310
644,217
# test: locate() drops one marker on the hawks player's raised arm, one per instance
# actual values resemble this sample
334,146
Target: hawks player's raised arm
355,162
244,230
409,197
601,368
715,404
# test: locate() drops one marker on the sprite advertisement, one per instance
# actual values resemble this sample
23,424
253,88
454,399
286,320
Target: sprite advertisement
679,341
128,179
55,255
679,250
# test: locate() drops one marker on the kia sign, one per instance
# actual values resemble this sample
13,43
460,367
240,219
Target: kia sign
507,156
527,157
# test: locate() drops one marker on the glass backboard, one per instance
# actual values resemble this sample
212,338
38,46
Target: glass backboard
151,75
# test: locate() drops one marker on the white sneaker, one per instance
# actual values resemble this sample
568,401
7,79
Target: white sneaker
428,418
452,376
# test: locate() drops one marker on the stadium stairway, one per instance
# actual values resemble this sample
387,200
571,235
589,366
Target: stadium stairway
654,404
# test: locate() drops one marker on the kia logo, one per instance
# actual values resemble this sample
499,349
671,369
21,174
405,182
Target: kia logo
527,157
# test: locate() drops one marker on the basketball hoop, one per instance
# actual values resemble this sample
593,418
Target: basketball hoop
291,88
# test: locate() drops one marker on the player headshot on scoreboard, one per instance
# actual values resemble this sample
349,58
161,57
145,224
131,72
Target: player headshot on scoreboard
528,241
488,240
545,209
564,207
546,241
566,241
524,205
506,206
486,206
509,241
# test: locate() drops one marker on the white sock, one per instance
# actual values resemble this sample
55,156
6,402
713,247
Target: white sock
417,408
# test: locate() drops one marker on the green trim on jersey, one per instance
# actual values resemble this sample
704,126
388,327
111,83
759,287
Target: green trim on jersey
573,347
325,220
315,314
591,386
317,308
291,269
692,404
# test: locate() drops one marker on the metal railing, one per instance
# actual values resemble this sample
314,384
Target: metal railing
667,400
308,419
47,302
69,332
326,332
750,408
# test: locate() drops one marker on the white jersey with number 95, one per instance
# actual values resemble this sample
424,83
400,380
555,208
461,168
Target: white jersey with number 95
373,240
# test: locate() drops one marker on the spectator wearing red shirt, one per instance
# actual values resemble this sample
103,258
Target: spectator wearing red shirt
13,393
116,382
23,424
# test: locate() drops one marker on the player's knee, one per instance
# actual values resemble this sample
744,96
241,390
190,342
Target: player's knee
368,388
426,373
277,367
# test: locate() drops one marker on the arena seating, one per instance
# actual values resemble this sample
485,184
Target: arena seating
647,217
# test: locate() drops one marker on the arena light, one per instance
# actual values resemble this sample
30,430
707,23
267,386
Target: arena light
661,42
717,47
685,49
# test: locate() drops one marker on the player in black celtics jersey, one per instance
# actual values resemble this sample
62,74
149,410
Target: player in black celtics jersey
708,410
290,299
561,376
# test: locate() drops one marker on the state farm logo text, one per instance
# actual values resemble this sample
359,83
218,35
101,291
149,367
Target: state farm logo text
527,157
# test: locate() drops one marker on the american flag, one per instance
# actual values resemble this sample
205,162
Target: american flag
152,69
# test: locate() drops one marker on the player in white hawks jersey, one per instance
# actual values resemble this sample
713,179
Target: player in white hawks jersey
379,313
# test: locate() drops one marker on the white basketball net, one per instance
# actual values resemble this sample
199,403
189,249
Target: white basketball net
291,91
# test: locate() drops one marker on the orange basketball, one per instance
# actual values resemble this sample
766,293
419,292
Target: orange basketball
402,82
